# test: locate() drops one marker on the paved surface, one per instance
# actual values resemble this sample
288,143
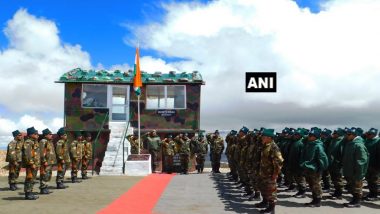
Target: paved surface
89,196
215,194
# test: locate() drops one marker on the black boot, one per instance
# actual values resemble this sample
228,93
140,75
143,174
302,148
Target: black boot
300,194
262,204
30,196
44,191
12,187
61,186
84,177
75,180
316,202
337,194
372,196
255,197
355,202
269,209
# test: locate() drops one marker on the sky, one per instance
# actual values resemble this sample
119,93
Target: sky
325,54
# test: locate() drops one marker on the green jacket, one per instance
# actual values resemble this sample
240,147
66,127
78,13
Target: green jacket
355,159
335,152
154,143
295,155
373,146
314,157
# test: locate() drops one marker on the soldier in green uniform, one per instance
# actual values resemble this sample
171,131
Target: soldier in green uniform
87,155
334,154
154,146
14,158
326,140
201,152
270,167
133,140
183,148
217,151
76,149
48,159
168,153
372,143
355,164
63,157
31,161
314,161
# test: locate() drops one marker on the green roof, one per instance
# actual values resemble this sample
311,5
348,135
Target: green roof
117,76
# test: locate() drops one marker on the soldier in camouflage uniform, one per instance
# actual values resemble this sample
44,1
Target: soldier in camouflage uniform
253,163
154,146
313,162
231,144
14,158
63,157
217,151
87,155
168,153
236,156
76,151
134,141
355,164
372,143
201,152
31,161
48,159
183,148
270,166
334,154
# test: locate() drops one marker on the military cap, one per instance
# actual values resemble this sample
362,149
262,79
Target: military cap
268,132
359,131
61,131
326,132
16,133
31,131
78,133
300,131
201,134
233,132
216,132
315,132
46,132
355,131
285,130
372,131
244,130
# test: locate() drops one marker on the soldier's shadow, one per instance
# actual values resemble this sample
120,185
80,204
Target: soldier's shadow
5,189
231,196
13,198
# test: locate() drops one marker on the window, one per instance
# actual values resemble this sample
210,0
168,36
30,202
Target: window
166,97
94,96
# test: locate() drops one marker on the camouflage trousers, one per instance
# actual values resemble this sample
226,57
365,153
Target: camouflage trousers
232,166
268,189
254,180
372,178
61,171
154,157
45,176
355,187
168,163
299,180
14,172
243,174
85,163
337,178
215,161
326,178
314,181
75,165
31,174
185,159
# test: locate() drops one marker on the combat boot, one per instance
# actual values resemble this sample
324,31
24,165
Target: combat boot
84,177
354,203
61,186
269,209
262,204
337,194
316,202
30,196
75,180
372,196
300,194
12,187
44,191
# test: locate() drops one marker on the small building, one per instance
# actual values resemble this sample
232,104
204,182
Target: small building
102,102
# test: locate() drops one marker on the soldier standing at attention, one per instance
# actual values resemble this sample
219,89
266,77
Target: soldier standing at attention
269,169
63,157
48,159
217,151
76,156
31,160
313,162
334,154
355,164
372,143
231,140
87,155
201,152
154,145
14,153
133,140
167,153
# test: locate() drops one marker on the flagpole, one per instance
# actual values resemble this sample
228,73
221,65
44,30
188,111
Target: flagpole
138,120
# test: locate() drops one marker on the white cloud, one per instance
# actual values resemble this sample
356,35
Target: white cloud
34,59
329,58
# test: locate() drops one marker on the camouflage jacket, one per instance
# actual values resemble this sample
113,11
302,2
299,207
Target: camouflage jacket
31,152
47,152
62,151
76,150
182,146
202,146
218,145
167,147
239,145
134,144
270,161
243,154
14,151
154,143
230,140
87,150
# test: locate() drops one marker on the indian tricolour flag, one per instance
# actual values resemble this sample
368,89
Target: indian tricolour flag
137,83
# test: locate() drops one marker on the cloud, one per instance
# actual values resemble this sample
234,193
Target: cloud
325,62
7,125
33,60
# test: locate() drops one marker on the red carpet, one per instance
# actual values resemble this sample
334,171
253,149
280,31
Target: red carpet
142,197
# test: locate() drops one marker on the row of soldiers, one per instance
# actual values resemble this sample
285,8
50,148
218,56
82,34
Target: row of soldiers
39,153
306,155
182,145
